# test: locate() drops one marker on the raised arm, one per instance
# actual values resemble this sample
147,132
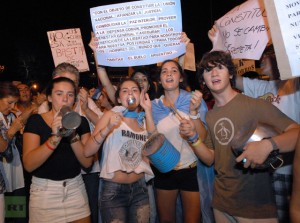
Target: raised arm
103,127
185,39
101,72
88,106
36,154
195,103
145,102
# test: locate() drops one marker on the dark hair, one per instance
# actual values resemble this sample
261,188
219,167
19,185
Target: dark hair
54,81
152,90
270,53
182,85
251,74
117,94
66,67
8,89
214,58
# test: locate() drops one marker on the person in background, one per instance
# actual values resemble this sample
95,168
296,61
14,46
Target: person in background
86,107
23,109
40,98
295,198
124,170
25,104
169,109
11,170
240,195
57,191
101,99
141,76
285,95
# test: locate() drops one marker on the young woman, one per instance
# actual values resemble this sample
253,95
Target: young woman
124,170
57,191
170,108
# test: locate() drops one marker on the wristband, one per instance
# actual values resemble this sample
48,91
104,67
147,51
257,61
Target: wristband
197,143
53,142
194,116
275,147
48,146
194,138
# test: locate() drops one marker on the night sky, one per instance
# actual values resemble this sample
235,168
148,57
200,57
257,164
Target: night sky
24,47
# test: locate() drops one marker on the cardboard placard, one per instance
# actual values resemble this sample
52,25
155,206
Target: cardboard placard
67,46
284,22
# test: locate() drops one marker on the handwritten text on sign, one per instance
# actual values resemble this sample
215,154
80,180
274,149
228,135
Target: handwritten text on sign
288,12
67,46
244,31
137,33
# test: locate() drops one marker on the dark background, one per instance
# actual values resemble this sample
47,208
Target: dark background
25,52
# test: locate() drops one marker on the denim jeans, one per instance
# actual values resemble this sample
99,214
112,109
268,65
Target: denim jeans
124,202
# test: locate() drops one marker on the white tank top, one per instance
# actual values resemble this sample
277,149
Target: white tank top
122,151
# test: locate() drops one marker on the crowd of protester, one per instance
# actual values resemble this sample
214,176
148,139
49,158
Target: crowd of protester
98,171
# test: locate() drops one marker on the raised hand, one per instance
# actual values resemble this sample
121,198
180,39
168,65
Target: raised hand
145,101
114,120
187,128
195,102
56,124
184,38
92,43
213,34
83,97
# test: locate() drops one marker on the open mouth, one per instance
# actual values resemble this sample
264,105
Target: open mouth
216,81
169,80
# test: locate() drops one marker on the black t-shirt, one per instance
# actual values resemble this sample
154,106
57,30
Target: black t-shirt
62,164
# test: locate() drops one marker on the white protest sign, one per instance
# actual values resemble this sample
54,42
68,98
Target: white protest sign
67,46
244,31
137,33
284,20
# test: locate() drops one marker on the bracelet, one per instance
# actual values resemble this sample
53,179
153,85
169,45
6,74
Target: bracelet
48,146
275,147
194,116
194,138
95,140
53,142
197,143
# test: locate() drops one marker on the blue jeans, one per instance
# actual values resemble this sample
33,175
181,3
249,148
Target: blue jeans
124,202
